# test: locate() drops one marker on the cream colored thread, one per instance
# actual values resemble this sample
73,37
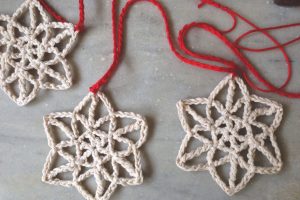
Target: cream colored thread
24,58
220,135
100,142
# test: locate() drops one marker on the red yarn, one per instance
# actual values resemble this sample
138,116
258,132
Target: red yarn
80,24
225,65
271,87
237,41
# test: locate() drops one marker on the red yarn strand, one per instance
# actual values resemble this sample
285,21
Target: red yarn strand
227,66
238,40
247,63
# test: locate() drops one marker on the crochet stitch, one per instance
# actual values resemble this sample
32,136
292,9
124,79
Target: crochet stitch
32,56
239,138
96,138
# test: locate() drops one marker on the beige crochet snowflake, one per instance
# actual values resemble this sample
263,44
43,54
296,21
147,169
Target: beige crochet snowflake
230,132
96,144
32,52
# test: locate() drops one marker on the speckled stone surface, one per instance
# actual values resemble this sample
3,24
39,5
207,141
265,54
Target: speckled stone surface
150,81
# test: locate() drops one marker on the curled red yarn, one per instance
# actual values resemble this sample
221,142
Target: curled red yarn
226,66
80,24
237,41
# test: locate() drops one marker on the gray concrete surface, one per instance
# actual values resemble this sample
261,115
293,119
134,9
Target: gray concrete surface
150,81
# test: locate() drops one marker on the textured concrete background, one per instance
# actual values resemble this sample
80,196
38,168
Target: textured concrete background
149,81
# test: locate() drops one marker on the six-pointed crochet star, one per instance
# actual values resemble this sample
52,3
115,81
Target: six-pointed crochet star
231,133
105,149
32,53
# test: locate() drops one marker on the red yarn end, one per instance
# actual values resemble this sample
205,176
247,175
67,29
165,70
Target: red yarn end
79,27
94,89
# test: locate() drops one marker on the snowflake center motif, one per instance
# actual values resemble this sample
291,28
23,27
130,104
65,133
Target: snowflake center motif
230,132
32,53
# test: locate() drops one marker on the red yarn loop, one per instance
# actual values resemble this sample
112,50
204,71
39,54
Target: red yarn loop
209,28
80,24
223,65
253,31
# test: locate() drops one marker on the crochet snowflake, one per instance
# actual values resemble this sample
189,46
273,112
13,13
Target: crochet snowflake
97,145
32,53
230,132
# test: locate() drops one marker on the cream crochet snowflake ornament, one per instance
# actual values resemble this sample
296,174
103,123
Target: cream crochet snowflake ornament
32,53
97,146
230,133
